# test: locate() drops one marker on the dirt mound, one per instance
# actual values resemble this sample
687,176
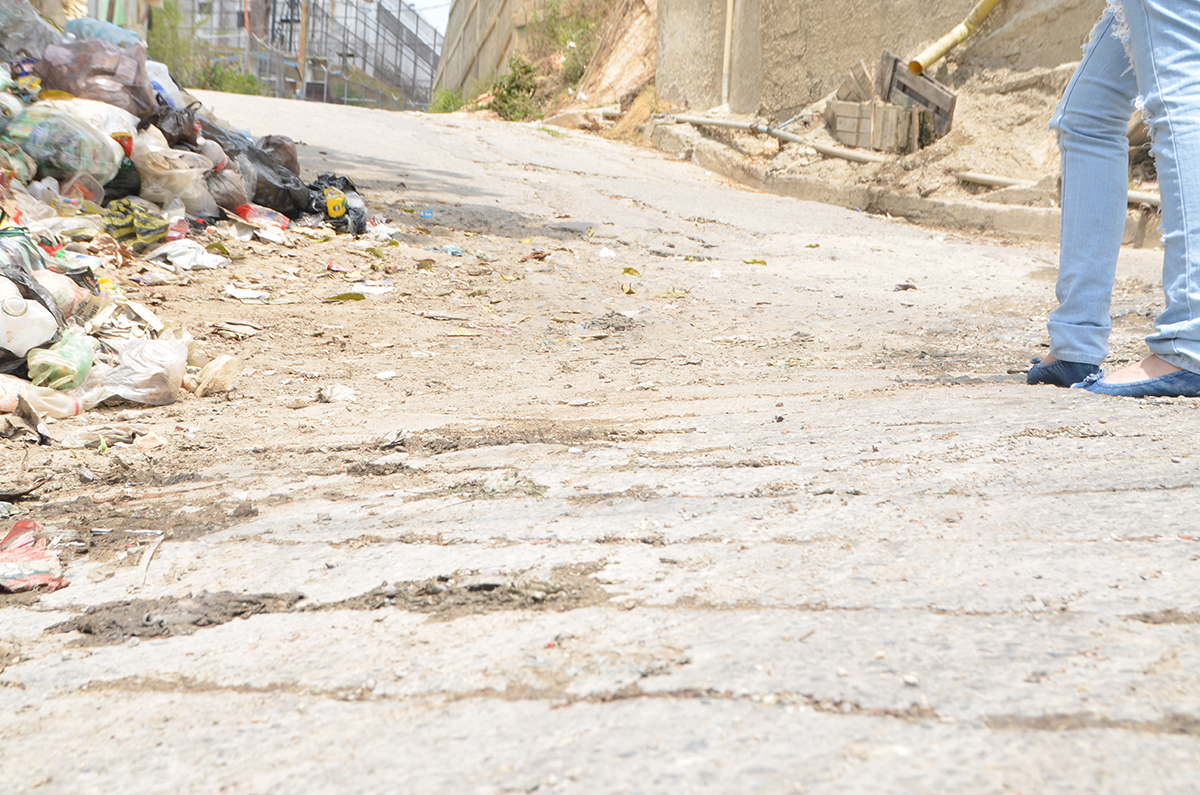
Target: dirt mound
116,622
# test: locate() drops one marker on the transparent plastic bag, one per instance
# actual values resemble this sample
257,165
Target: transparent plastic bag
151,372
227,189
219,375
23,32
166,173
67,294
95,69
160,80
88,28
64,365
106,118
63,145
13,158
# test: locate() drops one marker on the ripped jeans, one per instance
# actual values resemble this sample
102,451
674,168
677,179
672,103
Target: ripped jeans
1161,39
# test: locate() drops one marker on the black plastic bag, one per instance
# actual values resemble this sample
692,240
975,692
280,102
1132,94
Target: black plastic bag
127,182
267,183
31,290
282,150
175,125
337,199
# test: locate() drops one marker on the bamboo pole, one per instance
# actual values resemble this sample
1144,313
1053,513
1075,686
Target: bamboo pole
937,51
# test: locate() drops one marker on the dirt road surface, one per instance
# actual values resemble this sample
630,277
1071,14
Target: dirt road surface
663,486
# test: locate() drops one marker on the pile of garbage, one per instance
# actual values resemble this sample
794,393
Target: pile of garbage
104,158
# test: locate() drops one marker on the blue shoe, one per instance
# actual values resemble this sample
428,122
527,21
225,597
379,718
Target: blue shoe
1178,384
1060,373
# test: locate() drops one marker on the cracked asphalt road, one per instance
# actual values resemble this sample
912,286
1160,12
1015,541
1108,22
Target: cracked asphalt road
797,532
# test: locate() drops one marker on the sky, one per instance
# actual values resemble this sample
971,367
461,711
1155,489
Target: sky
435,12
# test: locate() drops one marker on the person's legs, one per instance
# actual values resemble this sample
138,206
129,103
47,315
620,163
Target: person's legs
1164,41
1091,121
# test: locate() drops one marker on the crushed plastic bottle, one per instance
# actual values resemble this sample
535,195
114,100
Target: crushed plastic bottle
43,400
64,365
262,216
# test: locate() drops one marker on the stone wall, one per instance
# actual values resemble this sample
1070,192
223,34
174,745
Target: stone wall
787,54
480,35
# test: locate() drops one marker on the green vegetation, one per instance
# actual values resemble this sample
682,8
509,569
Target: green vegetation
571,34
191,60
446,100
513,95
218,76
559,43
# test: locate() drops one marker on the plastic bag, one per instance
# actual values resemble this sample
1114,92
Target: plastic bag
23,32
345,213
63,145
227,189
151,372
13,158
281,150
266,182
17,250
95,69
219,375
64,365
134,223
127,182
10,106
166,173
106,118
175,125
87,28
66,292
19,257
160,80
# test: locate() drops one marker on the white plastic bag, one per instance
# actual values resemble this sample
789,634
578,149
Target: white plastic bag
151,372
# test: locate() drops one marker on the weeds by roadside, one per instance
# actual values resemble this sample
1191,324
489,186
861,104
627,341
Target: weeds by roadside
545,72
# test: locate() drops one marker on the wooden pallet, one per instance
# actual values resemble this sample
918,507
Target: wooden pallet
895,84
876,125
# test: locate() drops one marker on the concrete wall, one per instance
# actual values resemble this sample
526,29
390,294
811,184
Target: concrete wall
789,53
480,35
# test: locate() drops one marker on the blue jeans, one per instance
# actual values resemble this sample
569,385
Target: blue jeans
1162,40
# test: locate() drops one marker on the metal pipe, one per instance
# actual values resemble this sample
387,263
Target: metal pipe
828,151
728,53
937,51
993,181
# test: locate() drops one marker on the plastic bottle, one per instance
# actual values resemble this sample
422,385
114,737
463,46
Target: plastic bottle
43,400
65,364
262,216
23,324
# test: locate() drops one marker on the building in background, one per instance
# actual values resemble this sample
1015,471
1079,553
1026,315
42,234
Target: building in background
357,52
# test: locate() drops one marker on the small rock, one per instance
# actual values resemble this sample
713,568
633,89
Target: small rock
911,680
842,673
336,393
879,655
244,509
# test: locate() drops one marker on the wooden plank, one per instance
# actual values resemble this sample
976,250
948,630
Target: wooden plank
850,91
862,79
905,89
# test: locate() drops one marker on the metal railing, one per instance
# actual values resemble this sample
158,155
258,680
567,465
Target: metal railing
375,54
